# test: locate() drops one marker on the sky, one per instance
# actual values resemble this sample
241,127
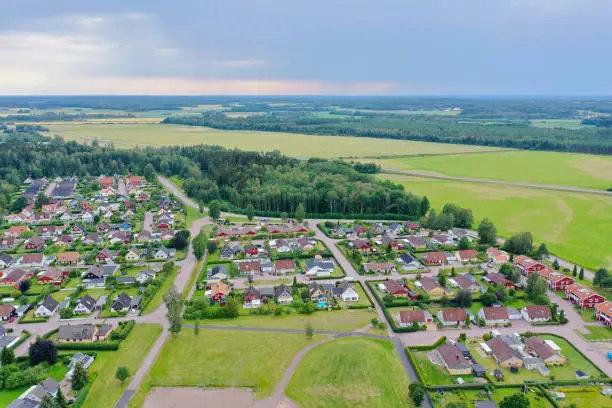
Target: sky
337,47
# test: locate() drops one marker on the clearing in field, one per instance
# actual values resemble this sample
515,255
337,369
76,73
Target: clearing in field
552,168
350,372
288,143
216,358
574,226
106,389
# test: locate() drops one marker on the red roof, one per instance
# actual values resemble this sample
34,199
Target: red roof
409,316
467,254
495,313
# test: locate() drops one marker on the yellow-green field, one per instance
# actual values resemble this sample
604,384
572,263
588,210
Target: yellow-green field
574,226
558,123
288,143
564,169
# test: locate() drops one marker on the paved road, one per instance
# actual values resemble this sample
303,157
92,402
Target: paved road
122,188
49,189
498,182
148,222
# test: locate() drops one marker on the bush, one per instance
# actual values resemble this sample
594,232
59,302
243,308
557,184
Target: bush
122,330
88,346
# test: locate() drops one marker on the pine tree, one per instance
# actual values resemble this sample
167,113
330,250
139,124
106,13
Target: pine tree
575,271
196,328
60,400
581,275
79,377
7,356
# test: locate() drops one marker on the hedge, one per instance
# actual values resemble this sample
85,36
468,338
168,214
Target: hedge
122,330
438,343
88,346
49,334
24,336
416,366
82,396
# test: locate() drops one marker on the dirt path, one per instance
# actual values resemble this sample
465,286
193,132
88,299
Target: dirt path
498,182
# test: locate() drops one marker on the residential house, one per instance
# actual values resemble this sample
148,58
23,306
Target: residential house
104,332
435,258
318,294
416,242
118,237
32,260
467,255
145,276
34,243
497,255
78,333
453,360
408,261
452,316
283,294
433,288
494,315
47,308
78,230
7,312
284,266
251,251
505,356
319,267
85,305
97,274
396,228
218,292
13,277
249,268
390,242
582,296
87,217
64,241
345,292
217,272
539,348
379,267
16,230
407,318
467,282
306,244
527,265
40,218
144,237
441,239
411,226
133,254
603,312
235,231
556,280
51,276
6,261
8,243
164,253
125,303
252,298
103,227
93,239
536,314
362,245
494,279
394,288
68,258
106,255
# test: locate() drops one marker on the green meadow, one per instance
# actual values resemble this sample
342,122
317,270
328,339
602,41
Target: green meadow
574,226
564,169
288,143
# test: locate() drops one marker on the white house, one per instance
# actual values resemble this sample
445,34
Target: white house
145,276
47,308
346,292
317,267
164,253
535,314
85,305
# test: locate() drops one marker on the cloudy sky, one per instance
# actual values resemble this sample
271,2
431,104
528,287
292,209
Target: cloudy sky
412,47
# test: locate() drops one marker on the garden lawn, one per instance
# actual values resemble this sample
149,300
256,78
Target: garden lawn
340,320
158,297
291,144
350,372
106,389
576,361
534,167
586,399
224,358
466,397
597,333
433,374
535,400
569,223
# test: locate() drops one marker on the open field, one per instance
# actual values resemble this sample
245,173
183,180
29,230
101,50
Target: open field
288,143
586,399
574,226
597,333
340,320
558,123
350,372
223,359
564,169
106,389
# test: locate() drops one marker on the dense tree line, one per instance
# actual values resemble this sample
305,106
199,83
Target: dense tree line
58,116
605,121
263,182
432,128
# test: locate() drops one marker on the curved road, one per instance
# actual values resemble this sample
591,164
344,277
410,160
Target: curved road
498,182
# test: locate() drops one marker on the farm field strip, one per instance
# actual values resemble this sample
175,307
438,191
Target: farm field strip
292,144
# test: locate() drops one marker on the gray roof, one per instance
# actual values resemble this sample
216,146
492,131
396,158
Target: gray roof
218,269
50,304
24,403
282,289
267,291
50,385
123,299
5,341
87,301
127,280
486,404
311,263
76,332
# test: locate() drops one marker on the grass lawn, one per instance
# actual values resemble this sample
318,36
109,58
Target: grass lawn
106,389
286,281
466,397
576,361
565,169
350,372
586,399
223,358
597,333
341,320
157,299
61,295
193,214
57,372
433,374
563,220
288,143
535,401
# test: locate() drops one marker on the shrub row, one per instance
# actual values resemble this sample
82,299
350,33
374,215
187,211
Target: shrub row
122,330
88,346
48,334
24,336
438,343
82,396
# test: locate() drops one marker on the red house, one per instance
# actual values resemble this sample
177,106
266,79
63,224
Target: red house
362,245
103,227
494,279
252,251
435,258
603,312
219,292
412,226
106,255
556,280
527,265
582,296
395,288
51,276
35,243
106,182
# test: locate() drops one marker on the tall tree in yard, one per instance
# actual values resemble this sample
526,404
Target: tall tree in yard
7,356
60,400
43,350
536,287
250,212
542,251
575,271
600,276
214,209
581,275
122,373
79,377
517,400
174,303
300,212
424,206
417,393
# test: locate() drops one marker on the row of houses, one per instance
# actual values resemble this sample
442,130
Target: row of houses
250,230
533,353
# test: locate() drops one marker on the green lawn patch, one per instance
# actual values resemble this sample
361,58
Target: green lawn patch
586,399
535,400
596,333
224,359
106,389
350,372
157,299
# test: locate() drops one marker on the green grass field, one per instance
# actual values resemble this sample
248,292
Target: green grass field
224,359
106,389
341,320
350,372
558,123
288,143
586,399
597,333
534,400
573,225
549,168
